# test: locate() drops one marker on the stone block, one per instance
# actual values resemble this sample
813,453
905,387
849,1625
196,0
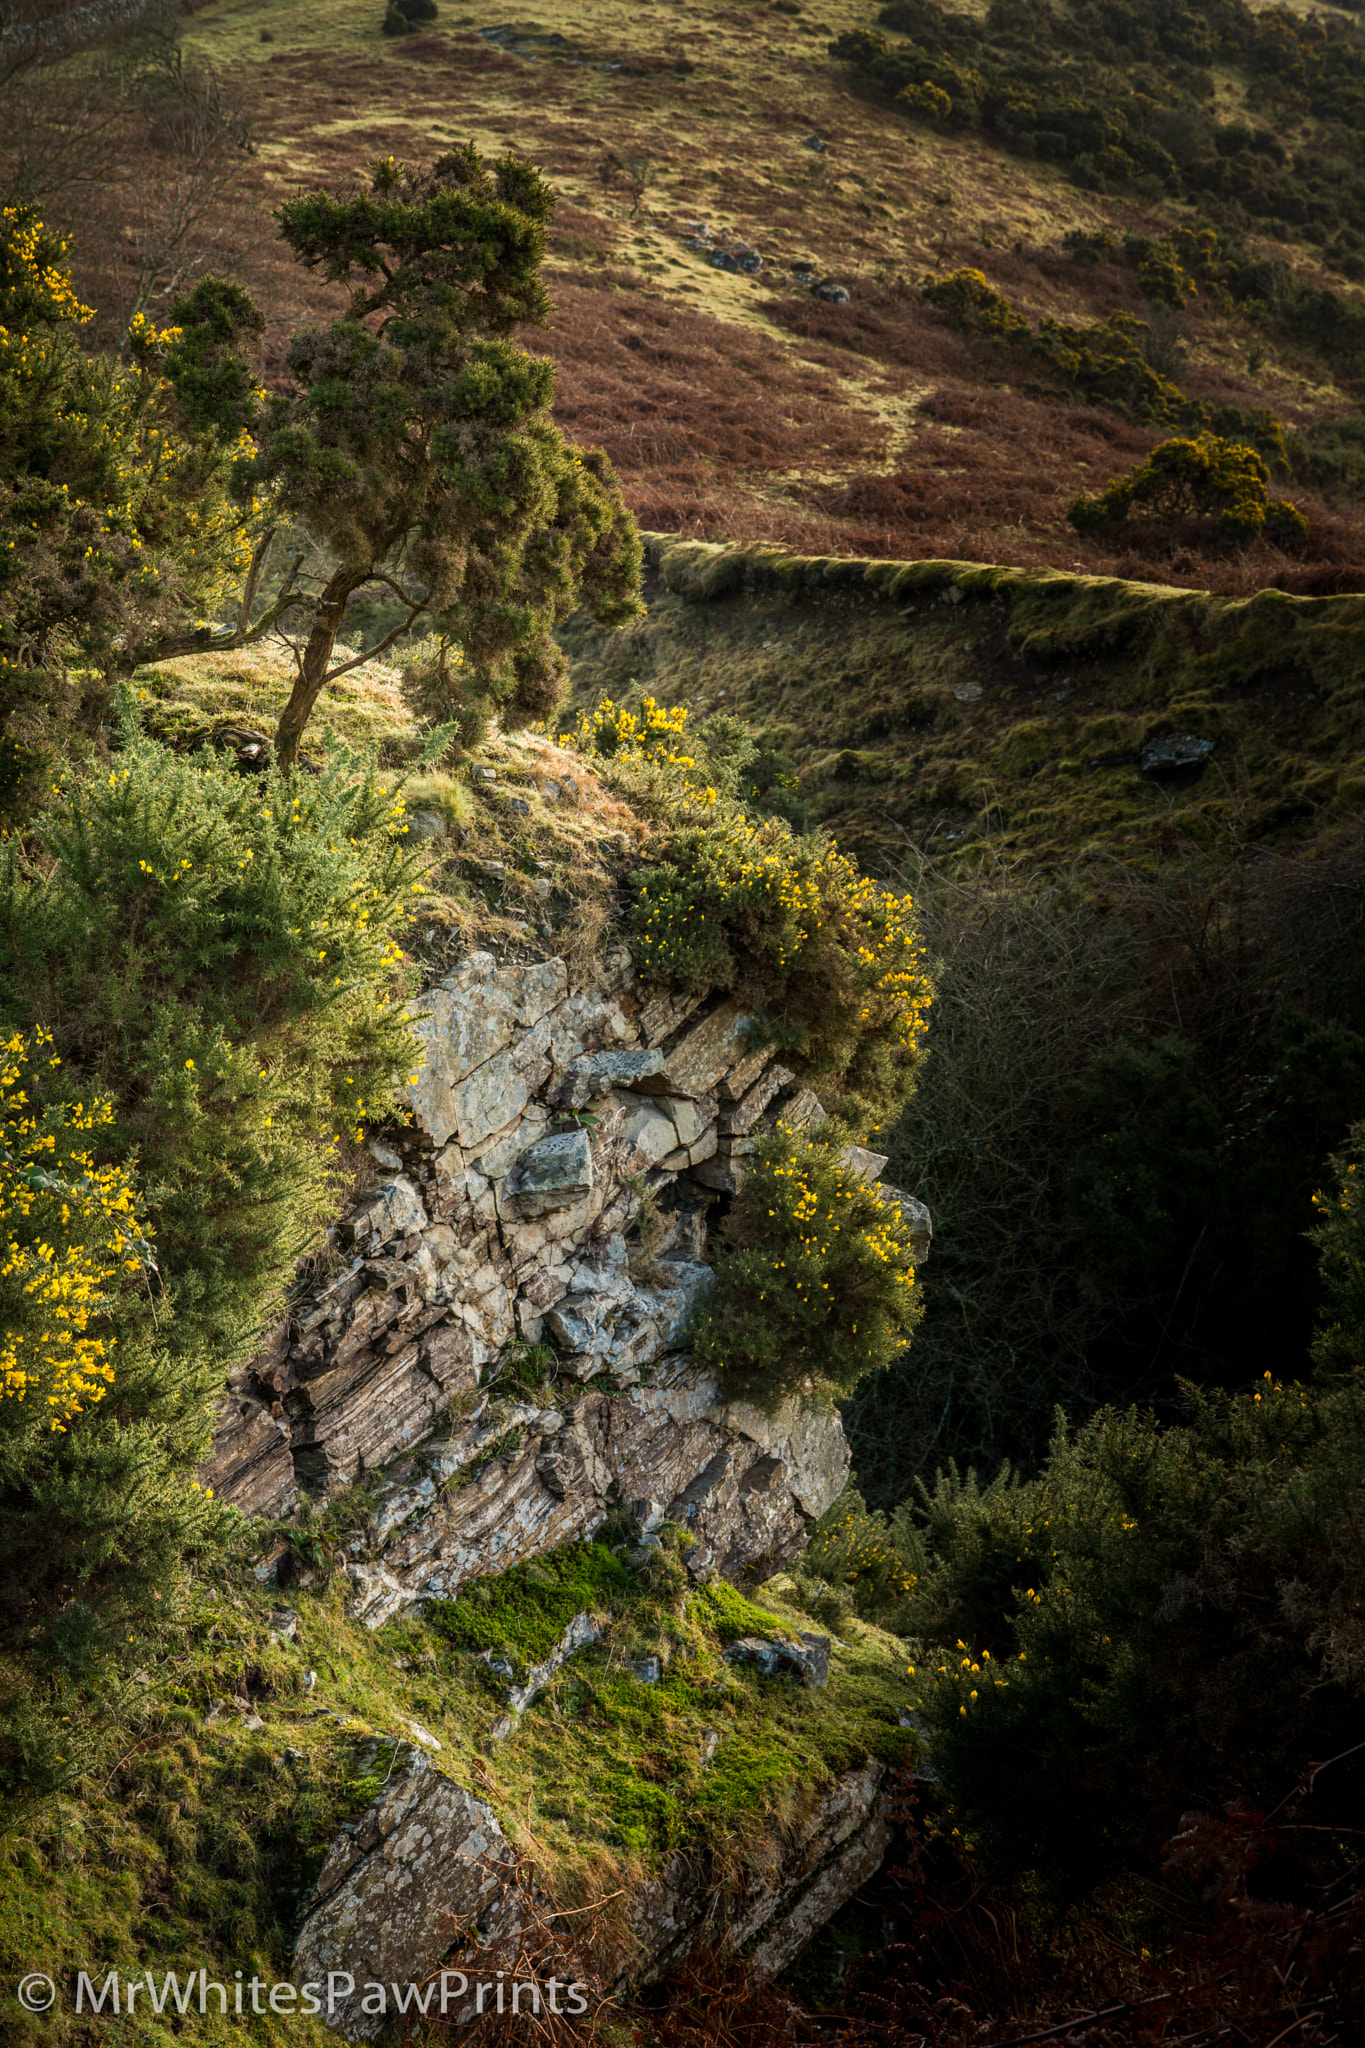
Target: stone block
687,1117
737,1117
465,1024
705,1147
805,1111
806,1658
596,1074
497,1156
390,1211
662,1015
424,1857
726,1176
705,1052
915,1215
735,1085
555,1173
650,1134
862,1164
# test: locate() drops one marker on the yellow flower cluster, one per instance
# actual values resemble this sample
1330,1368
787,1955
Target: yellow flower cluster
68,1227
626,736
160,498
970,1674
846,1551
27,249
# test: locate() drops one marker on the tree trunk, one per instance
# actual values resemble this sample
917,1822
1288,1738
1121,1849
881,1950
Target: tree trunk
317,657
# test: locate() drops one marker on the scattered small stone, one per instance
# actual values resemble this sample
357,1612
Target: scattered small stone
520,806
649,1670
426,825
384,1155
833,294
310,1679
550,791
485,774
1180,756
747,260
967,693
284,1622
495,868
814,142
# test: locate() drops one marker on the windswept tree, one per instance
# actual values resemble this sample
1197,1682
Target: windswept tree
416,442
413,444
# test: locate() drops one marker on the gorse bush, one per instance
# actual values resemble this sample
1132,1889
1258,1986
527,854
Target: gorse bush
435,687
1119,362
829,962
653,734
116,521
1340,1238
1222,485
216,959
855,1561
815,1278
968,298
68,1229
1163,1620
1124,96
217,956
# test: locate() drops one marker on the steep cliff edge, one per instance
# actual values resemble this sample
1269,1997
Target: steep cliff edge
489,1381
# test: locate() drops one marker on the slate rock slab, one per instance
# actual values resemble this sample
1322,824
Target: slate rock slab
806,1657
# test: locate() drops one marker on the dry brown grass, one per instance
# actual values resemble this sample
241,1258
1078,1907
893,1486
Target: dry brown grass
736,407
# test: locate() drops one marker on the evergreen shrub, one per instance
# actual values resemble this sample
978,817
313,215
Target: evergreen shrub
217,956
1164,1619
116,519
68,1228
829,963
815,1278
828,960
216,964
1221,484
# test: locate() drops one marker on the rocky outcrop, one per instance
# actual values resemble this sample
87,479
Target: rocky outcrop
543,1115
424,1859
486,1254
428,1860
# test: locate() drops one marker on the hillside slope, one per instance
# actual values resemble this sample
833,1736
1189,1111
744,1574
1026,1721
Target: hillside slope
738,403
940,707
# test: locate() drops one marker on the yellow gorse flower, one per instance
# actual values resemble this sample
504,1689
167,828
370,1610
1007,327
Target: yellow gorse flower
68,1229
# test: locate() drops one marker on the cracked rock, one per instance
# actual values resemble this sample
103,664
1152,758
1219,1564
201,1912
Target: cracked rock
784,1656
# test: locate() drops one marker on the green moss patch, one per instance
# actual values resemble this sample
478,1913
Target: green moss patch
190,1834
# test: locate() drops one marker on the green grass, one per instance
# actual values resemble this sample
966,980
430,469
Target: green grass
917,720
194,1839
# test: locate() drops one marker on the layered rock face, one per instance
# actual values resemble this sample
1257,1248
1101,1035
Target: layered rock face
427,1857
544,1115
